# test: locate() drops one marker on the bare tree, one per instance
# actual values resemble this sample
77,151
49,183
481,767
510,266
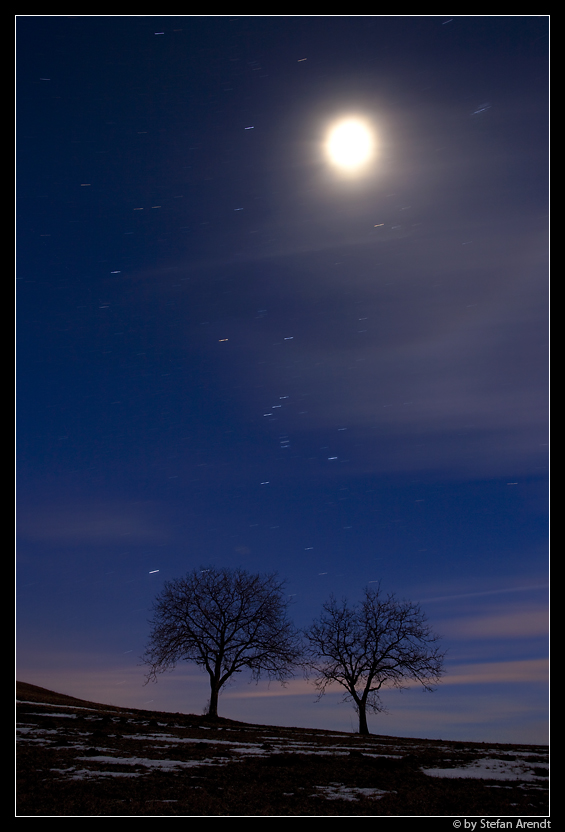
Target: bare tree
378,643
225,621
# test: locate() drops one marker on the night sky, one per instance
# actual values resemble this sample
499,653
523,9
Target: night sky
231,353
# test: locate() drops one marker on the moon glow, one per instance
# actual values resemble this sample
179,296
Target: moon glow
350,144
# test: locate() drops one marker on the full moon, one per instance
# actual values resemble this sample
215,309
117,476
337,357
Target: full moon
350,144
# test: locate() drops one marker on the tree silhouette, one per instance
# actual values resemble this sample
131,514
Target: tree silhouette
380,642
225,621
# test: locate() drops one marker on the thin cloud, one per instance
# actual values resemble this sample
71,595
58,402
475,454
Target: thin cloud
90,525
510,625
529,670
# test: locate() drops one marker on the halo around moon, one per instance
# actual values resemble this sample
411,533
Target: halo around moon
350,144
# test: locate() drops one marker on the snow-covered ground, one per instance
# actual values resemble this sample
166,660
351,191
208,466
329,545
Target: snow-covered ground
492,766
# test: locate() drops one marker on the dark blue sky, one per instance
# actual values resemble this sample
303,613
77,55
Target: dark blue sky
229,354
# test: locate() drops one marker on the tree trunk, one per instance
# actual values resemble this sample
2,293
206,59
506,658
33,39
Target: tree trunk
213,709
363,727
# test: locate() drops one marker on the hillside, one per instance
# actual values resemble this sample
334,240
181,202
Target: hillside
83,758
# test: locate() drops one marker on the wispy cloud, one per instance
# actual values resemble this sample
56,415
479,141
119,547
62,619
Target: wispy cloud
91,524
528,670
533,670
524,623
